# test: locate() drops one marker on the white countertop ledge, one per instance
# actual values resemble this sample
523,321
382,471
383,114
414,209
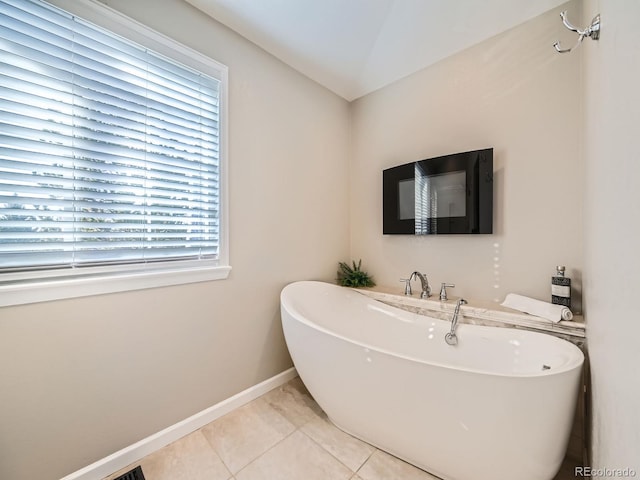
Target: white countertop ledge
476,312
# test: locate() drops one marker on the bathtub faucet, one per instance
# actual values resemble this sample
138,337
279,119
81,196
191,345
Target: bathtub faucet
451,338
426,289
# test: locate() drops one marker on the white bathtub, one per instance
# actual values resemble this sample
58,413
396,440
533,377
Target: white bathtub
486,409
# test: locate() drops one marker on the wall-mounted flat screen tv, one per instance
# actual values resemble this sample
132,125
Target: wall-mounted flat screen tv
451,194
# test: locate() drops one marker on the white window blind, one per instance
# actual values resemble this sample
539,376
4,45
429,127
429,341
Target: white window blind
109,153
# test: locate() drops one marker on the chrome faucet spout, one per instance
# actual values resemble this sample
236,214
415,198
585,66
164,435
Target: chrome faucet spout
451,338
426,289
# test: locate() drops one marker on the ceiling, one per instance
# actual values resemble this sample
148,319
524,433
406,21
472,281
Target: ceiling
354,47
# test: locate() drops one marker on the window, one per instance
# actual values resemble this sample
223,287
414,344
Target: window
111,157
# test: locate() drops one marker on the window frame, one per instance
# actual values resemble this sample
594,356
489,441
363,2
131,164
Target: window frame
54,284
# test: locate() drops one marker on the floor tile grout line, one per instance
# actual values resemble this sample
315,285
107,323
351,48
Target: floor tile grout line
306,422
328,420
327,451
375,449
353,472
265,452
213,449
261,397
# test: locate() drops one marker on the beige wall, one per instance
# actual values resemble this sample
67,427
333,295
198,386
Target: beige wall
512,93
612,198
82,378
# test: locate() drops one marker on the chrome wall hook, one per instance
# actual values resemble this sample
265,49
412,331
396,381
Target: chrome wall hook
592,31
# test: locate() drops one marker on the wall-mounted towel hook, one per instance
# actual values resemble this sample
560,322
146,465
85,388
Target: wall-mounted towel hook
592,31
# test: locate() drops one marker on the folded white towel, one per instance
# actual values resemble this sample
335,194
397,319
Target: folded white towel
548,311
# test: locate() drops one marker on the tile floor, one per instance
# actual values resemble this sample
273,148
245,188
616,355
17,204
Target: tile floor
283,435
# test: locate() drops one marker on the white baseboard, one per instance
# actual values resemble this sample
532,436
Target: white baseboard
144,447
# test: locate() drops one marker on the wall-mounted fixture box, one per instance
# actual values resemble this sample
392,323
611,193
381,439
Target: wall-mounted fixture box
451,194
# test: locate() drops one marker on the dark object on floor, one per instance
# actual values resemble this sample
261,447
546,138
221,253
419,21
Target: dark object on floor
135,474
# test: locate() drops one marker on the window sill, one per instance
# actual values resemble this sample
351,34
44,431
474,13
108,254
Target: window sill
73,286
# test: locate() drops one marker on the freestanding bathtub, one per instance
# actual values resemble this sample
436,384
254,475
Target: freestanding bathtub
497,406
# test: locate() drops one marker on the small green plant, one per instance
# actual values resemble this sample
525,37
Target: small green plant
353,276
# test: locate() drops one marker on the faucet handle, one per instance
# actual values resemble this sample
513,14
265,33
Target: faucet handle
443,290
407,286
